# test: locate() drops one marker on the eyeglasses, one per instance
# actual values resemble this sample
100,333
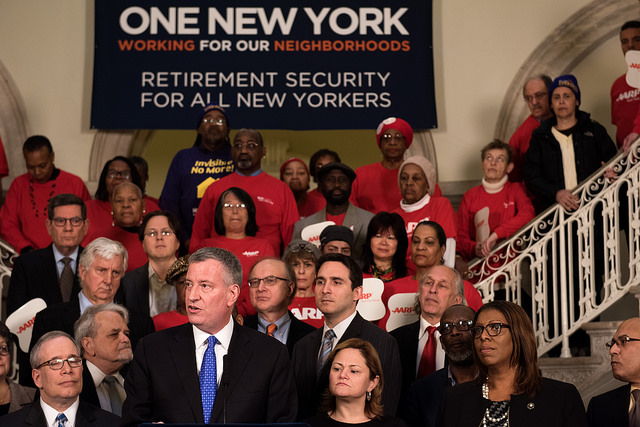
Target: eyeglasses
249,146
217,122
620,342
120,174
461,325
493,329
57,364
304,247
268,281
234,206
4,350
163,233
398,137
59,221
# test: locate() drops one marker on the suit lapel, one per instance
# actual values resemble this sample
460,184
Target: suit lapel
84,416
35,416
183,356
52,290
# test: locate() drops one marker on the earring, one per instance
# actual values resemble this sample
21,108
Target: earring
368,395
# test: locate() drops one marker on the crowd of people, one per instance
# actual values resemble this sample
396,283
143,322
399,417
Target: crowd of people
234,298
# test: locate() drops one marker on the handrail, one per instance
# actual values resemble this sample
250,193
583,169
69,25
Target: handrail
558,248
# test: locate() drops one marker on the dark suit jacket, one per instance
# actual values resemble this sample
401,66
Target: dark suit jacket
557,404
297,329
305,358
32,415
162,384
420,409
89,393
135,290
610,408
35,275
407,338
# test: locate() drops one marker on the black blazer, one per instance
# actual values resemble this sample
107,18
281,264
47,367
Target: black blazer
135,290
420,409
87,415
610,408
297,329
557,404
305,359
407,338
162,384
35,275
89,393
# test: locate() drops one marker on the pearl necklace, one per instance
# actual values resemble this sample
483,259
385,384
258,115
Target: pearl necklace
487,416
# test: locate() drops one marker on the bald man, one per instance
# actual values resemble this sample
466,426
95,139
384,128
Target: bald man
621,407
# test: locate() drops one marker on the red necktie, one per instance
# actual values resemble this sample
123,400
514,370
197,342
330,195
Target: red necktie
428,359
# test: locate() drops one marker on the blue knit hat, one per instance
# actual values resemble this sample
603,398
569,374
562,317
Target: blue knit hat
568,81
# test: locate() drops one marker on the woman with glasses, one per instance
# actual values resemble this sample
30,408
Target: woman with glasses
509,390
116,171
355,388
302,257
235,223
12,395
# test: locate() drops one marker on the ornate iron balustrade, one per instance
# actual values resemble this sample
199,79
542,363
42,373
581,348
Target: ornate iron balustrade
566,267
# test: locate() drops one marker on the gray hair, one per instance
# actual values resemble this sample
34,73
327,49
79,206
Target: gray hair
105,248
125,185
548,81
230,264
34,356
86,325
459,288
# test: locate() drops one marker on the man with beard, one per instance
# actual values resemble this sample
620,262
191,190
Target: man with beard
103,335
334,182
425,396
276,209
193,169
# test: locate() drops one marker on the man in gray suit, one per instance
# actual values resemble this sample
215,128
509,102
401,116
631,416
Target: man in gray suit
334,182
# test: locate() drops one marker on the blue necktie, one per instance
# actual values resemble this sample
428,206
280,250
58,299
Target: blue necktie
208,379
61,419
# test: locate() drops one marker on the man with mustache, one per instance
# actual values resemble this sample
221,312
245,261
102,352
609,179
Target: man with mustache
420,351
276,209
334,182
102,332
425,395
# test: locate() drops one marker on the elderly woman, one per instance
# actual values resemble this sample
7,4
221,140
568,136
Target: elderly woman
302,257
385,248
235,224
12,395
565,149
115,172
495,210
417,182
510,390
355,388
295,173
176,276
128,207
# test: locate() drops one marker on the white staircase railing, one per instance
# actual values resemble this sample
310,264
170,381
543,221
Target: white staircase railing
567,267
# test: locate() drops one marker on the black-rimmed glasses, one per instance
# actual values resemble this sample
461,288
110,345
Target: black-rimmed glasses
461,325
269,281
493,329
59,221
620,342
57,364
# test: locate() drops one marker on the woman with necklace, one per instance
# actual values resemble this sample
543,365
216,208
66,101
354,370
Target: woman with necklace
510,390
385,247
302,257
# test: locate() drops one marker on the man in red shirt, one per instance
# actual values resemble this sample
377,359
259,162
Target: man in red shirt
536,95
625,100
